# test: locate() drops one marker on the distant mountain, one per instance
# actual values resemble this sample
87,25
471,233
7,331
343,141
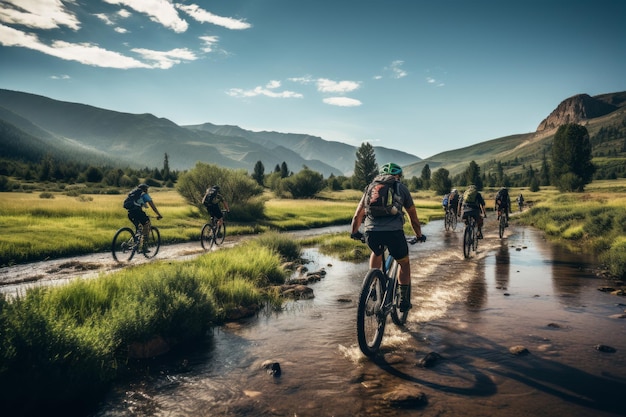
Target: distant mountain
32,126
141,140
602,112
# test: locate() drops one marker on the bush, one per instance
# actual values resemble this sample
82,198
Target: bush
46,194
599,225
617,259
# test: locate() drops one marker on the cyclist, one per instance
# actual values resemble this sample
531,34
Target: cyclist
520,201
211,200
503,204
473,205
453,201
139,198
387,230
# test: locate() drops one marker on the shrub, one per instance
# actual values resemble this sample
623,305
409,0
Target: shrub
617,259
46,194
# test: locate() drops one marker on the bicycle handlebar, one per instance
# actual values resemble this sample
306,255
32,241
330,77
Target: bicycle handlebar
412,240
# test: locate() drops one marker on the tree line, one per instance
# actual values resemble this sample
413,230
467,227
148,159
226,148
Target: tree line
566,165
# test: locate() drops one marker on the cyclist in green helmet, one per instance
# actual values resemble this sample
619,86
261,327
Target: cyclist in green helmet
387,230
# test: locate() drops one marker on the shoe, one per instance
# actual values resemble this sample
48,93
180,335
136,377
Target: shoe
405,305
145,250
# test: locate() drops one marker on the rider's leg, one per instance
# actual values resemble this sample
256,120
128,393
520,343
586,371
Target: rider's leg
404,281
479,223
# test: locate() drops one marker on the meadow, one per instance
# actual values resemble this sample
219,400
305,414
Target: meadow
67,344
54,225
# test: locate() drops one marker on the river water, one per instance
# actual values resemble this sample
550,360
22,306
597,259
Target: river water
519,291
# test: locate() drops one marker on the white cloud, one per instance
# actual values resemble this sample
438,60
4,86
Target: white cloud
396,71
120,30
209,42
105,19
328,86
166,59
60,77
431,80
40,14
160,11
267,91
94,55
204,16
342,101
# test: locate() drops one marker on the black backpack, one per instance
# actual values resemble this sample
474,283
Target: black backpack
210,196
131,198
382,197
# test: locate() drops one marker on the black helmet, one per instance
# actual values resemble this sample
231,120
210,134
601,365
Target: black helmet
391,168
143,186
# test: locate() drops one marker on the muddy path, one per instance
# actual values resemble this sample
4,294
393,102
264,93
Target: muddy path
16,279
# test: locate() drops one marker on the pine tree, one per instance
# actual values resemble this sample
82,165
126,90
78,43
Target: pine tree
571,158
365,166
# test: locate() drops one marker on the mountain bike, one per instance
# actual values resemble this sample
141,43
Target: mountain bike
470,236
211,233
502,223
379,298
450,221
126,243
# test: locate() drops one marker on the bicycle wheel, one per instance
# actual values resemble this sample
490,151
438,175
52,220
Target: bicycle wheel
370,319
153,244
501,225
454,221
467,240
398,317
447,221
474,235
207,238
220,234
123,245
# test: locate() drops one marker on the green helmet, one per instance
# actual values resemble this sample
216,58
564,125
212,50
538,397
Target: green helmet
391,168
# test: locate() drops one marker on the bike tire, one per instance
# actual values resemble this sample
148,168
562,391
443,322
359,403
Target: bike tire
207,237
501,226
370,319
398,317
447,221
220,234
467,241
123,244
154,243
474,236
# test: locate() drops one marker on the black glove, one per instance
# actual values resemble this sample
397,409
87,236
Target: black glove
356,236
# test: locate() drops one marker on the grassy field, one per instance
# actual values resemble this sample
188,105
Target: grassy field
36,228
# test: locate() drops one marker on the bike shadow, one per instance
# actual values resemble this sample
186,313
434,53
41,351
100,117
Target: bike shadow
470,369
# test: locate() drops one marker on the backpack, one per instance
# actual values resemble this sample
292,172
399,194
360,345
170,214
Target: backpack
502,196
209,196
446,200
131,198
469,196
382,197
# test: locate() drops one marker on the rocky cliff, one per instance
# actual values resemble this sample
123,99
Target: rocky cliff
576,109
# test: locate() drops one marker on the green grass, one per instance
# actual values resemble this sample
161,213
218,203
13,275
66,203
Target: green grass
68,343
594,221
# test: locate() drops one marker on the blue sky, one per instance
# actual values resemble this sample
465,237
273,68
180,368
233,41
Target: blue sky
418,76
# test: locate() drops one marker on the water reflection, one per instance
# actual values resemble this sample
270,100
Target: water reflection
503,266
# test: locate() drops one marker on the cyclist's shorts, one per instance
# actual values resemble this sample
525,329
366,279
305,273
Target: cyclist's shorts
394,240
215,211
138,216
475,213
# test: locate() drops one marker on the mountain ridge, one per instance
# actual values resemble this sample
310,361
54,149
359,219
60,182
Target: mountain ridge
142,139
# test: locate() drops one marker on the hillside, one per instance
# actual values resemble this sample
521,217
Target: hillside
32,126
599,114
141,140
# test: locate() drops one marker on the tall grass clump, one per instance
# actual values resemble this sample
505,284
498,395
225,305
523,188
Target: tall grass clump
594,221
67,344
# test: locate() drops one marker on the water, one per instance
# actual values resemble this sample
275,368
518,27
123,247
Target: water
518,291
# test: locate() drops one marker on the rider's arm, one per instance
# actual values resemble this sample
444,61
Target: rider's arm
357,219
155,209
415,222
